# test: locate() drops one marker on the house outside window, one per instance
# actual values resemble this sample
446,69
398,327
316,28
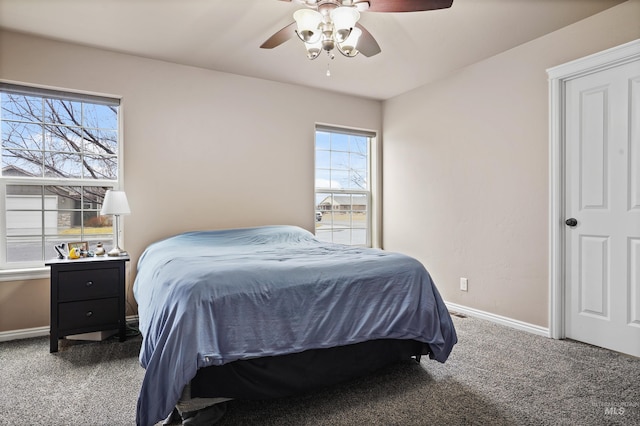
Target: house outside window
60,153
343,186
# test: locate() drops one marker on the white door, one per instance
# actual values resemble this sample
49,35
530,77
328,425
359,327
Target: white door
602,287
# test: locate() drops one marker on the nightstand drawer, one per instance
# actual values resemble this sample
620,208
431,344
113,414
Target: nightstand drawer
88,284
89,313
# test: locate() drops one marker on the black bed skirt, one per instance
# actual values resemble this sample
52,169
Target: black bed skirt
284,375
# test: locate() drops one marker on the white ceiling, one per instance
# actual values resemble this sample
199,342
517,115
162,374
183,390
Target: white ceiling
225,35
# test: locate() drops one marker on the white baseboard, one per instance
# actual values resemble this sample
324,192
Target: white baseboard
24,333
27,333
509,322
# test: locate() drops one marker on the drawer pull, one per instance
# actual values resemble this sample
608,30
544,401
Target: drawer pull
89,283
89,313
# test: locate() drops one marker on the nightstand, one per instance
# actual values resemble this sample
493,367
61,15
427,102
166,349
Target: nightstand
87,294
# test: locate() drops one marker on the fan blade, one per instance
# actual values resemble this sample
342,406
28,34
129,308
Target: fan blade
280,37
407,5
367,45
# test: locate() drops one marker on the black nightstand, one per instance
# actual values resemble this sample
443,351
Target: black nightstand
87,294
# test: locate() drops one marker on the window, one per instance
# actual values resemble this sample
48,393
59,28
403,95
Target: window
343,186
60,154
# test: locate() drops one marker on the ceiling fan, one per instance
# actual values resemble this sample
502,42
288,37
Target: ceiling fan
328,24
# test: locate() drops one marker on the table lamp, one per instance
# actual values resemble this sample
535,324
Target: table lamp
115,203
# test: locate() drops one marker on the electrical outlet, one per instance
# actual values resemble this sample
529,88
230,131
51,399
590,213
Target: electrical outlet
464,284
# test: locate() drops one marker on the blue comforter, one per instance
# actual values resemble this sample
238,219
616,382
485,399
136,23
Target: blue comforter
213,297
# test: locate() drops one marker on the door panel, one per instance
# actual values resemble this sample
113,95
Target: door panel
592,162
634,144
634,282
602,300
593,282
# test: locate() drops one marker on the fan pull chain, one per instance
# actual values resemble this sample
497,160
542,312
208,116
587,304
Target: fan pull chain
331,56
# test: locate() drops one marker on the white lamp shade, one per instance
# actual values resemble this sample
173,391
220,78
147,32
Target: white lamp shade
344,18
350,45
115,202
308,22
313,49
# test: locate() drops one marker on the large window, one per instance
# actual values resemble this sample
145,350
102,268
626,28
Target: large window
343,186
60,154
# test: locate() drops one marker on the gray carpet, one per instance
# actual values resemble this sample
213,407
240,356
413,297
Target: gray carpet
495,376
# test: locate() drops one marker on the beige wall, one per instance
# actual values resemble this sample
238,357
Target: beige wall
465,164
202,149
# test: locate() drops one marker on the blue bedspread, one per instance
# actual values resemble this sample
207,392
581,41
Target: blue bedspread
213,297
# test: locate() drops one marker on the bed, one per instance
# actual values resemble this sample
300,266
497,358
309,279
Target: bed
216,307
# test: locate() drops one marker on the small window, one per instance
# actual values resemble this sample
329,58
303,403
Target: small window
60,153
343,186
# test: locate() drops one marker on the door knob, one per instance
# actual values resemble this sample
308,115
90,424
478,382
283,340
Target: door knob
571,222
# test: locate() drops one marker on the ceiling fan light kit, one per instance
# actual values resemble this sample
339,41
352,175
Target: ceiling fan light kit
329,27
333,24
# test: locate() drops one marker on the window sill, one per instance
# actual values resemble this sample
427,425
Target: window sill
24,274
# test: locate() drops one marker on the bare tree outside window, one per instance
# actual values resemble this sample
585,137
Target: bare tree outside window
343,187
55,138
59,157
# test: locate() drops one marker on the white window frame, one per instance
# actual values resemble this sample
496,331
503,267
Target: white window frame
371,193
36,269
